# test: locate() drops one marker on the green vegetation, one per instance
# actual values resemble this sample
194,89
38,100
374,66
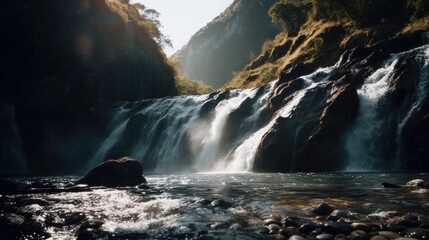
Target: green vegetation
186,85
317,32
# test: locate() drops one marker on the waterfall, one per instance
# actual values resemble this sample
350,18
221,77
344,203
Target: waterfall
225,131
366,137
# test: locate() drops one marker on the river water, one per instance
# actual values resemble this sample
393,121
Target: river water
223,206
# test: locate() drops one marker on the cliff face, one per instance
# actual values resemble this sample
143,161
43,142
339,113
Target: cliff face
225,44
67,60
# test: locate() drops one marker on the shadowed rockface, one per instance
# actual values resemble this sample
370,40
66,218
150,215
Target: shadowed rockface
63,63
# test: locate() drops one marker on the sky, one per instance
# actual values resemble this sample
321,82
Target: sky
182,18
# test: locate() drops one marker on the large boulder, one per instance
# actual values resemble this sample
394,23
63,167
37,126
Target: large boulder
115,173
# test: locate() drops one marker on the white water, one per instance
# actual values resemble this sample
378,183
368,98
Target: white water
187,133
361,142
365,139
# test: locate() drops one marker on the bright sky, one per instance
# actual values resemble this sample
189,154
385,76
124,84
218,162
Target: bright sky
182,18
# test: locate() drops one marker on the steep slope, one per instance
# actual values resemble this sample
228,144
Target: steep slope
316,33
224,46
66,61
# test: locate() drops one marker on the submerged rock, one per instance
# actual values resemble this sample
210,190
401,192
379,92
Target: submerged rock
323,209
115,173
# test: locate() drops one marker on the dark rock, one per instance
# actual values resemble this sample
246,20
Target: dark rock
296,237
307,228
295,71
316,232
92,224
379,237
325,236
220,203
341,237
390,185
337,214
359,235
389,234
291,222
271,221
273,228
336,228
361,226
323,209
115,173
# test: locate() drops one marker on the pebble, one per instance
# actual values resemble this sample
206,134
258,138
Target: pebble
379,237
291,222
307,228
325,236
389,234
337,214
323,209
341,237
296,237
273,228
361,226
271,221
359,235
337,228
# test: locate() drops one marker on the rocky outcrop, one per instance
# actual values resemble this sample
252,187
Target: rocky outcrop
65,63
115,173
225,44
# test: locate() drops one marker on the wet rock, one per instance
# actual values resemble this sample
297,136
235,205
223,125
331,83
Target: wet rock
325,236
316,232
389,185
115,173
273,228
405,238
291,222
361,226
323,209
91,234
296,237
292,230
359,235
407,221
416,183
337,214
271,221
307,228
341,237
336,228
275,216
220,203
389,234
379,237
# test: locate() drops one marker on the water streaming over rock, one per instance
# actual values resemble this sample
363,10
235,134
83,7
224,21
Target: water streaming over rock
293,123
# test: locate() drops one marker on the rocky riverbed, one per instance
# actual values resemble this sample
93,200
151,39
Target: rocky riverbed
220,206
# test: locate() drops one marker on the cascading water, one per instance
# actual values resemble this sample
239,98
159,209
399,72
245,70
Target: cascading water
225,131
368,133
